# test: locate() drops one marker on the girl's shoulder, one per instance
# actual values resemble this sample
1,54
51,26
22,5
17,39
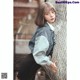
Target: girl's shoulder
44,28
42,31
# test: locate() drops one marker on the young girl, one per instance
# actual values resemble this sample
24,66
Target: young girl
41,44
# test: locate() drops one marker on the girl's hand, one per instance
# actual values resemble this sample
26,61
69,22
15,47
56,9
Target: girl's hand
53,67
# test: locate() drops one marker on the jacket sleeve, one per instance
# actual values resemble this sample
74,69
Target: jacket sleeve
39,52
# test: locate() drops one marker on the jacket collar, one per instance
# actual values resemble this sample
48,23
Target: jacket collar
48,25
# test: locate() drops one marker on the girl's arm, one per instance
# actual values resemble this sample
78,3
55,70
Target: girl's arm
39,53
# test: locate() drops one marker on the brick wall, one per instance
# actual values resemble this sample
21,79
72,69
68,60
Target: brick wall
21,0
21,15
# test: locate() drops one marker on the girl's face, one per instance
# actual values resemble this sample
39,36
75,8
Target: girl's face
50,16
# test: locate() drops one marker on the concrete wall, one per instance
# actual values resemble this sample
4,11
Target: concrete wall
60,54
21,46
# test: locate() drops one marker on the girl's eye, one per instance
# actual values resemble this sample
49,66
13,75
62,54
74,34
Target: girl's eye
46,13
53,12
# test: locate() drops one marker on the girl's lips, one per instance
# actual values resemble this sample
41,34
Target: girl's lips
52,19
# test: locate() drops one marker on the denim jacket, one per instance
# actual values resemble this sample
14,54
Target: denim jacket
44,36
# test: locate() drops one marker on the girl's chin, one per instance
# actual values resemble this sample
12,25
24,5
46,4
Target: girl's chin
52,21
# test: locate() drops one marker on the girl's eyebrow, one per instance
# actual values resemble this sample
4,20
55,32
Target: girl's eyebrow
47,11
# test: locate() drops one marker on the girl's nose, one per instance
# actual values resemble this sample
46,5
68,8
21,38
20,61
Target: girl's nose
52,14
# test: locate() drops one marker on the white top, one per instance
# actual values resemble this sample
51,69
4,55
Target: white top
52,28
